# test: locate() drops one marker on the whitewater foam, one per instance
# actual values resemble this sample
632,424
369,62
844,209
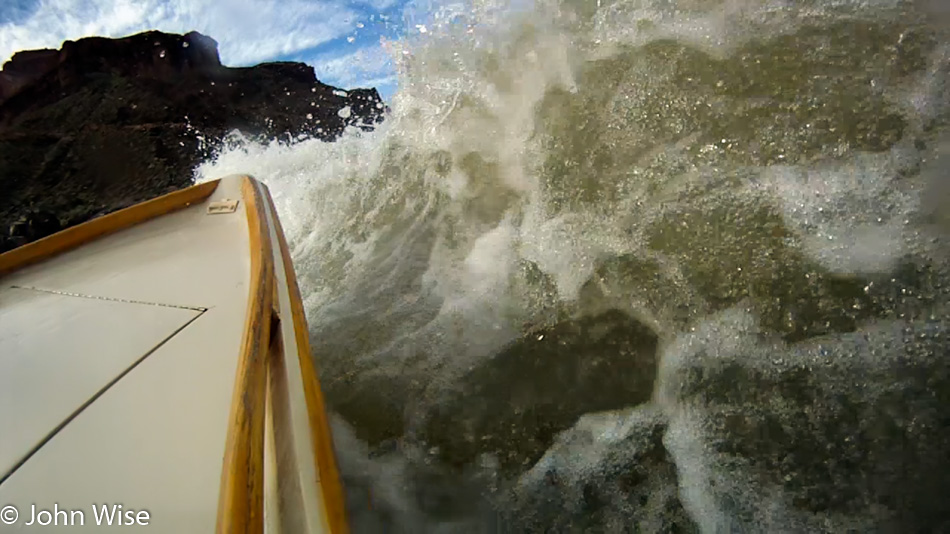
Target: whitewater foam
755,181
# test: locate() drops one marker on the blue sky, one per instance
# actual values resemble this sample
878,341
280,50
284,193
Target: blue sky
342,39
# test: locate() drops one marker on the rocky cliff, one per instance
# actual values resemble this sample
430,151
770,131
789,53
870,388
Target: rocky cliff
102,124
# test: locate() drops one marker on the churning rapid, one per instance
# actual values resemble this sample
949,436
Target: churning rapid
638,266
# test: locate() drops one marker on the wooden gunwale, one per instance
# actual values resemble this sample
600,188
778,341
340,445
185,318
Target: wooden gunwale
81,234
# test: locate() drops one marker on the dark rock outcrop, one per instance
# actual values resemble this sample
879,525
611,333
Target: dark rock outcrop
102,124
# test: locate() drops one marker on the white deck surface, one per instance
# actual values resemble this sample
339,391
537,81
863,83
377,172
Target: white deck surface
155,439
42,383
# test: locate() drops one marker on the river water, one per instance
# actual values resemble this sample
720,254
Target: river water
637,266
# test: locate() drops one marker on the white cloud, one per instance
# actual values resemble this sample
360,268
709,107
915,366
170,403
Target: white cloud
365,67
248,31
379,5
381,84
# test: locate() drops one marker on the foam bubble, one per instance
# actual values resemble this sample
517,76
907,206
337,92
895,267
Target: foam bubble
850,216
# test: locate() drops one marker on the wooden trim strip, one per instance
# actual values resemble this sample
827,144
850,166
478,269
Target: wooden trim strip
80,234
241,500
320,434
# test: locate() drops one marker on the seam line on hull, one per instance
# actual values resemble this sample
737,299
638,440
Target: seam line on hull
112,299
82,407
